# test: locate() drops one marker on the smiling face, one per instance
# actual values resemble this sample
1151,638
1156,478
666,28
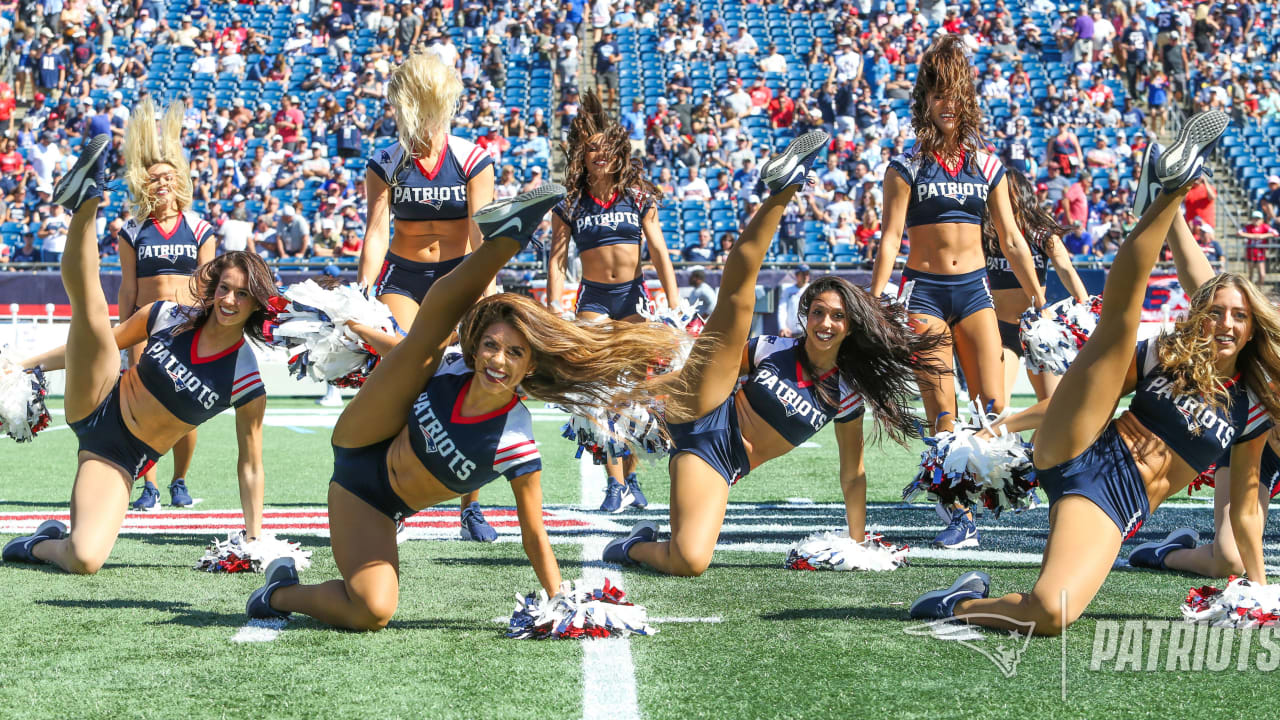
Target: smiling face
597,157
162,180
232,301
942,112
1230,322
826,325
503,359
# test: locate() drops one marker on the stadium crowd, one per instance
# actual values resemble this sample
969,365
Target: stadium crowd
285,176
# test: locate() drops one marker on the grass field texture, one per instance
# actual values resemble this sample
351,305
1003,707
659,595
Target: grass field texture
149,637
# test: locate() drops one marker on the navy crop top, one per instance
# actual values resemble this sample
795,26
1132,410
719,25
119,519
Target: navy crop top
469,451
172,254
191,387
775,389
1000,276
938,196
440,193
1194,431
594,224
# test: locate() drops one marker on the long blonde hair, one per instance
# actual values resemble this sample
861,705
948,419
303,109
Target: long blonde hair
605,365
1187,352
145,145
424,93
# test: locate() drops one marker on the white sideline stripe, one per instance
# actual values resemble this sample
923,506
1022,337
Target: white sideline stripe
608,675
713,619
916,553
259,631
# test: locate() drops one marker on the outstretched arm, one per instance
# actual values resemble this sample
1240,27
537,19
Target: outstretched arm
853,476
533,533
249,464
1246,514
1194,269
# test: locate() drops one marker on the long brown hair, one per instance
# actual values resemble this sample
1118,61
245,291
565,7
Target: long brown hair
628,175
945,69
1038,226
605,365
204,284
1186,353
879,358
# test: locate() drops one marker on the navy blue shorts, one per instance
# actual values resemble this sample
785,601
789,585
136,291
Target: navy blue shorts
409,278
1269,471
362,471
951,298
1106,474
715,438
1011,336
617,301
104,434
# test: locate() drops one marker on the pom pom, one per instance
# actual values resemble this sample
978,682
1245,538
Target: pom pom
1241,604
22,393
1052,340
1204,479
578,610
311,323
236,554
612,434
830,551
961,467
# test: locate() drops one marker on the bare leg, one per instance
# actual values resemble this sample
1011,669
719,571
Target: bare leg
699,497
364,547
1011,364
977,340
183,450
99,499
936,391
1044,384
93,360
1221,557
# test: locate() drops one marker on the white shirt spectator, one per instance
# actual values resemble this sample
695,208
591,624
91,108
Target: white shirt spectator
789,307
695,189
774,63
44,158
744,44
235,235
996,87
205,65
848,65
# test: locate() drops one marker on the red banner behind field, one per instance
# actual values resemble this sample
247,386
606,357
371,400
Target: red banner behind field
1165,299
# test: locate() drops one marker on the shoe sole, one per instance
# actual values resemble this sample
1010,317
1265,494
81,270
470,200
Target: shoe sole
1143,198
784,164
957,586
1177,164
490,218
87,161
966,543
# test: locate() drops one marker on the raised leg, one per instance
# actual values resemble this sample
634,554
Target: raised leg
93,360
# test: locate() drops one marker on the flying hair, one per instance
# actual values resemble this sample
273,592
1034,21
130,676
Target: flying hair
145,146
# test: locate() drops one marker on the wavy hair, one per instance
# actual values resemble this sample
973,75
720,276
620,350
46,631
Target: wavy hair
1186,353
946,70
628,174
424,92
879,358
579,365
1037,224
146,146
204,285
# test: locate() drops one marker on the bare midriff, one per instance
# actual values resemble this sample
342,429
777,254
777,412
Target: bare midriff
146,417
762,442
1163,472
431,241
415,485
171,288
1010,303
611,264
946,248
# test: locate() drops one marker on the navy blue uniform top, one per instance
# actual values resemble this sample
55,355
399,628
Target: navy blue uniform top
1000,276
775,389
593,223
938,196
474,450
1194,431
421,193
191,387
173,254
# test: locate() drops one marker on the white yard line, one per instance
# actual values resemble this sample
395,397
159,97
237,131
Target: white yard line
259,631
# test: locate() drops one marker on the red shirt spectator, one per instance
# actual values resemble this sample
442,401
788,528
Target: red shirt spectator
761,96
1075,203
288,122
6,101
11,163
782,111
494,144
1201,203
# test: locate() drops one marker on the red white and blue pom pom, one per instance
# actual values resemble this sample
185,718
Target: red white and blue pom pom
22,393
235,554
610,435
311,322
960,467
578,610
832,551
1241,605
1052,340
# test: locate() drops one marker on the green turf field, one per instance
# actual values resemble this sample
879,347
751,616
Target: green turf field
150,637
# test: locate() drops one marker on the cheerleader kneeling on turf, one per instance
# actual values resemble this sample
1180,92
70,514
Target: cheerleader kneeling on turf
427,427
1199,390
195,365
855,351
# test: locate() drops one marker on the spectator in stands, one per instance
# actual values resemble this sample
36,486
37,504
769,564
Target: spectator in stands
791,234
702,252
702,298
789,293
694,188
1201,203
1078,241
293,239
1100,156
1258,235
27,252
1270,203
289,122
607,57
53,234
1075,200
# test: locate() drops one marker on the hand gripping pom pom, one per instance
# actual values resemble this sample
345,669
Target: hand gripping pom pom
1241,605
22,393
830,551
311,323
1053,339
578,610
236,554
958,466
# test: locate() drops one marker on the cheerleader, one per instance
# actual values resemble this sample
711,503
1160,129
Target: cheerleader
611,206
1043,235
940,191
428,426
431,183
1201,389
749,401
161,246
196,364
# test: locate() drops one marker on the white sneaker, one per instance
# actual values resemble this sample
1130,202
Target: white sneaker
332,397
